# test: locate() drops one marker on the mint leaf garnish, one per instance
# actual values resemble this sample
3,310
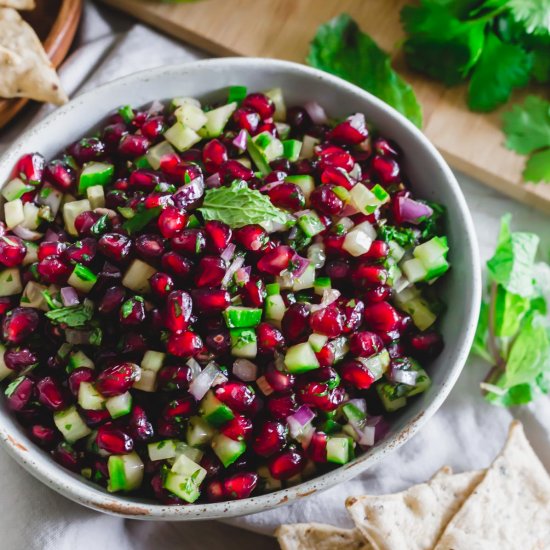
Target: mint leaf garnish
73,316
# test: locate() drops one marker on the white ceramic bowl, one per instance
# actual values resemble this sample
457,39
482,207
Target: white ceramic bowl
431,179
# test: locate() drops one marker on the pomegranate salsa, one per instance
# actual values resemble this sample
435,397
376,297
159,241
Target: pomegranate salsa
204,302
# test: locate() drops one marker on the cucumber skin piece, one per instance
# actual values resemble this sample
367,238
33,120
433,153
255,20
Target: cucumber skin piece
214,411
391,403
92,175
301,358
227,450
242,317
181,486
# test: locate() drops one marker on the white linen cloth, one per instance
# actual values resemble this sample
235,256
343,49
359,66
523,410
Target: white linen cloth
465,433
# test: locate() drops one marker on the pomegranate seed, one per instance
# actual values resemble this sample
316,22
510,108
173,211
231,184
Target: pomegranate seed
327,355
328,321
179,409
381,317
139,427
19,393
268,127
184,344
53,270
357,375
65,455
384,147
78,376
83,251
149,246
365,344
171,222
353,313
153,128
288,196
252,237
166,428
218,235
174,377
210,300
50,248
387,169
19,324
5,305
87,149
176,264
350,132
18,359
132,311
179,307
246,119
317,449
190,195
334,245
233,170
219,343
237,396
214,154
30,168
253,293
287,464
365,275
260,103
425,345
115,246
85,221
295,323
318,395
270,339
60,174
12,251
50,394
282,406
333,157
378,250
211,463
377,294
270,438
133,145
277,176
112,299
112,134
277,260
210,272
144,179
337,270
95,418
215,491
117,379
326,201
238,429
190,242
240,485
114,440
43,435
336,176
161,284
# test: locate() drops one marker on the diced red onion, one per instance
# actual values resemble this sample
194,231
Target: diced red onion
155,108
240,140
401,376
293,232
203,382
316,112
367,436
246,370
297,421
300,265
69,297
242,275
77,337
381,426
52,199
26,234
194,366
411,211
236,264
330,295
360,404
213,180
51,236
349,210
227,254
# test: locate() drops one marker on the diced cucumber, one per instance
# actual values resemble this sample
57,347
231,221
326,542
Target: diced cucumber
283,130
304,182
14,213
301,358
95,173
240,317
10,282
308,146
152,360
142,162
190,452
4,370
96,196
31,255
353,413
191,116
82,278
396,251
119,405
378,364
15,189
31,215
162,450
359,240
156,153
272,288
257,157
339,449
227,449
127,113
147,381
423,381
341,347
411,302
182,486
181,137
305,280
125,472
388,395
276,95
274,308
70,424
434,248
243,342
317,341
217,120
33,296
214,411
150,365
368,200
321,284
89,398
70,212
414,270
79,360
137,277
50,196
236,94
291,149
199,432
310,224
184,466
179,101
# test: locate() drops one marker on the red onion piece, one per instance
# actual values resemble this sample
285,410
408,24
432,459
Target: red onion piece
69,297
407,377
51,236
411,211
300,265
349,210
242,275
297,421
213,180
155,108
227,254
203,382
245,370
360,404
194,366
316,112
26,234
232,269
240,140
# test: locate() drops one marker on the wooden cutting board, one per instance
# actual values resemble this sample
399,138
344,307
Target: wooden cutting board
471,142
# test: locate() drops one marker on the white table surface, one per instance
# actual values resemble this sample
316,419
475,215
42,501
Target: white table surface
58,524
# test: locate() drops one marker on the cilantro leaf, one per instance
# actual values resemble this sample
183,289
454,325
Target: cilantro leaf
512,264
238,205
501,68
537,168
141,219
72,316
479,346
403,236
340,48
527,126
534,14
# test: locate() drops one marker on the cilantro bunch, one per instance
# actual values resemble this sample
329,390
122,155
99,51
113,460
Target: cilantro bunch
497,45
513,333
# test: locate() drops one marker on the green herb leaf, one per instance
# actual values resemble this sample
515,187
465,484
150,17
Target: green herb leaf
73,316
537,168
340,48
534,14
141,219
403,236
238,205
501,68
479,346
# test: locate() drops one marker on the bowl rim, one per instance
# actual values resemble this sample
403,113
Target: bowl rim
79,490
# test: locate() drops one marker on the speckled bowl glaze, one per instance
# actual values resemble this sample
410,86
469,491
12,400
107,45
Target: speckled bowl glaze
431,179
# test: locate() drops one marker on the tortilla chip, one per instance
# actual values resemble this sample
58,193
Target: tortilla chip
316,536
25,68
510,508
18,4
413,519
